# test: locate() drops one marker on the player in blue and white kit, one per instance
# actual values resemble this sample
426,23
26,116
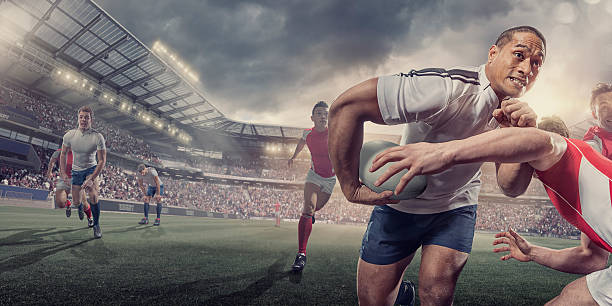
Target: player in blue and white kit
86,144
437,105
155,188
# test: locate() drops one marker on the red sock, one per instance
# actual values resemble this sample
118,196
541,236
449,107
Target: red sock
88,211
68,203
304,229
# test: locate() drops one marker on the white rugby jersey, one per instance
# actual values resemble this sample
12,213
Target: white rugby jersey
84,147
149,178
579,186
440,105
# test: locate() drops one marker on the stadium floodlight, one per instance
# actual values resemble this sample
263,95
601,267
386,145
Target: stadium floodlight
59,72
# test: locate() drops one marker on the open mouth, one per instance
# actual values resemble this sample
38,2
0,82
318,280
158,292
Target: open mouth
518,82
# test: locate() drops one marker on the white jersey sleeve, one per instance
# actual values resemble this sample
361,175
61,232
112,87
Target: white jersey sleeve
409,98
66,139
101,143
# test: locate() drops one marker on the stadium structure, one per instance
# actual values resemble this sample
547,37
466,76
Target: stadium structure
59,55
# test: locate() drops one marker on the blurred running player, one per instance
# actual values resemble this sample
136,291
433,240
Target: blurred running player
320,179
155,189
86,144
600,136
62,188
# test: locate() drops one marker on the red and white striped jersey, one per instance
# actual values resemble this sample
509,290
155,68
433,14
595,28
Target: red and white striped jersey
579,186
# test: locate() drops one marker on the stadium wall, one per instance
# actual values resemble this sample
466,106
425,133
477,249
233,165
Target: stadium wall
136,207
23,193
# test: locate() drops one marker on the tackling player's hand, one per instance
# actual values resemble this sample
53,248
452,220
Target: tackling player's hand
519,248
517,113
365,195
157,197
418,158
50,175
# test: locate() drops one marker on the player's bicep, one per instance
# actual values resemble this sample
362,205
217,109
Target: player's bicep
359,102
408,98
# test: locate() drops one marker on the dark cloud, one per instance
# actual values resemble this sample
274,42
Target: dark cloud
255,54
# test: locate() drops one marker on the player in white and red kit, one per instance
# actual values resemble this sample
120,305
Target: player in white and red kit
577,178
277,213
600,136
63,187
320,179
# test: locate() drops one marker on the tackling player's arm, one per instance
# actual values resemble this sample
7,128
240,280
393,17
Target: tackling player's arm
346,117
514,178
582,259
539,148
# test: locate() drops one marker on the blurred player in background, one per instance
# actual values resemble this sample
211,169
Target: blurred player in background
63,187
277,213
86,144
155,189
600,136
320,179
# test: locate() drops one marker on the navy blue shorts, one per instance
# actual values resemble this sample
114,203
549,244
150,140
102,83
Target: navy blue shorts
392,235
151,190
78,177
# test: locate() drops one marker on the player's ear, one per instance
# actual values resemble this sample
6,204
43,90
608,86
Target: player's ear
493,52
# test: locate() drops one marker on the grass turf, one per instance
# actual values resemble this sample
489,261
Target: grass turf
48,259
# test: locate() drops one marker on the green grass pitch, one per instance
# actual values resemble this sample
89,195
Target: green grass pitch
48,259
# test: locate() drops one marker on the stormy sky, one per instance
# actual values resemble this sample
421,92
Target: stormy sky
270,61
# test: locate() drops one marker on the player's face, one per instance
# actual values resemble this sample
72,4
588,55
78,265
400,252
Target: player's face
515,67
84,120
603,111
320,117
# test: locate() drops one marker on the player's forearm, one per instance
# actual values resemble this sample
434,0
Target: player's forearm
63,161
100,166
507,145
298,149
346,117
577,260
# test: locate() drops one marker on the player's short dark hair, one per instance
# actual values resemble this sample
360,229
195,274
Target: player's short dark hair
554,124
86,109
600,88
507,35
141,167
319,104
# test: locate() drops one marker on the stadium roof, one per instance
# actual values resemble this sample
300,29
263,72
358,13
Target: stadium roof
80,35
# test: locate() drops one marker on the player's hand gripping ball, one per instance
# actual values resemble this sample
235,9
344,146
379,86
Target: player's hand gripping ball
369,150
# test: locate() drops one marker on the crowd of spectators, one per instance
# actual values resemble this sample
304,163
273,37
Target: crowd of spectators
243,200
58,119
247,201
